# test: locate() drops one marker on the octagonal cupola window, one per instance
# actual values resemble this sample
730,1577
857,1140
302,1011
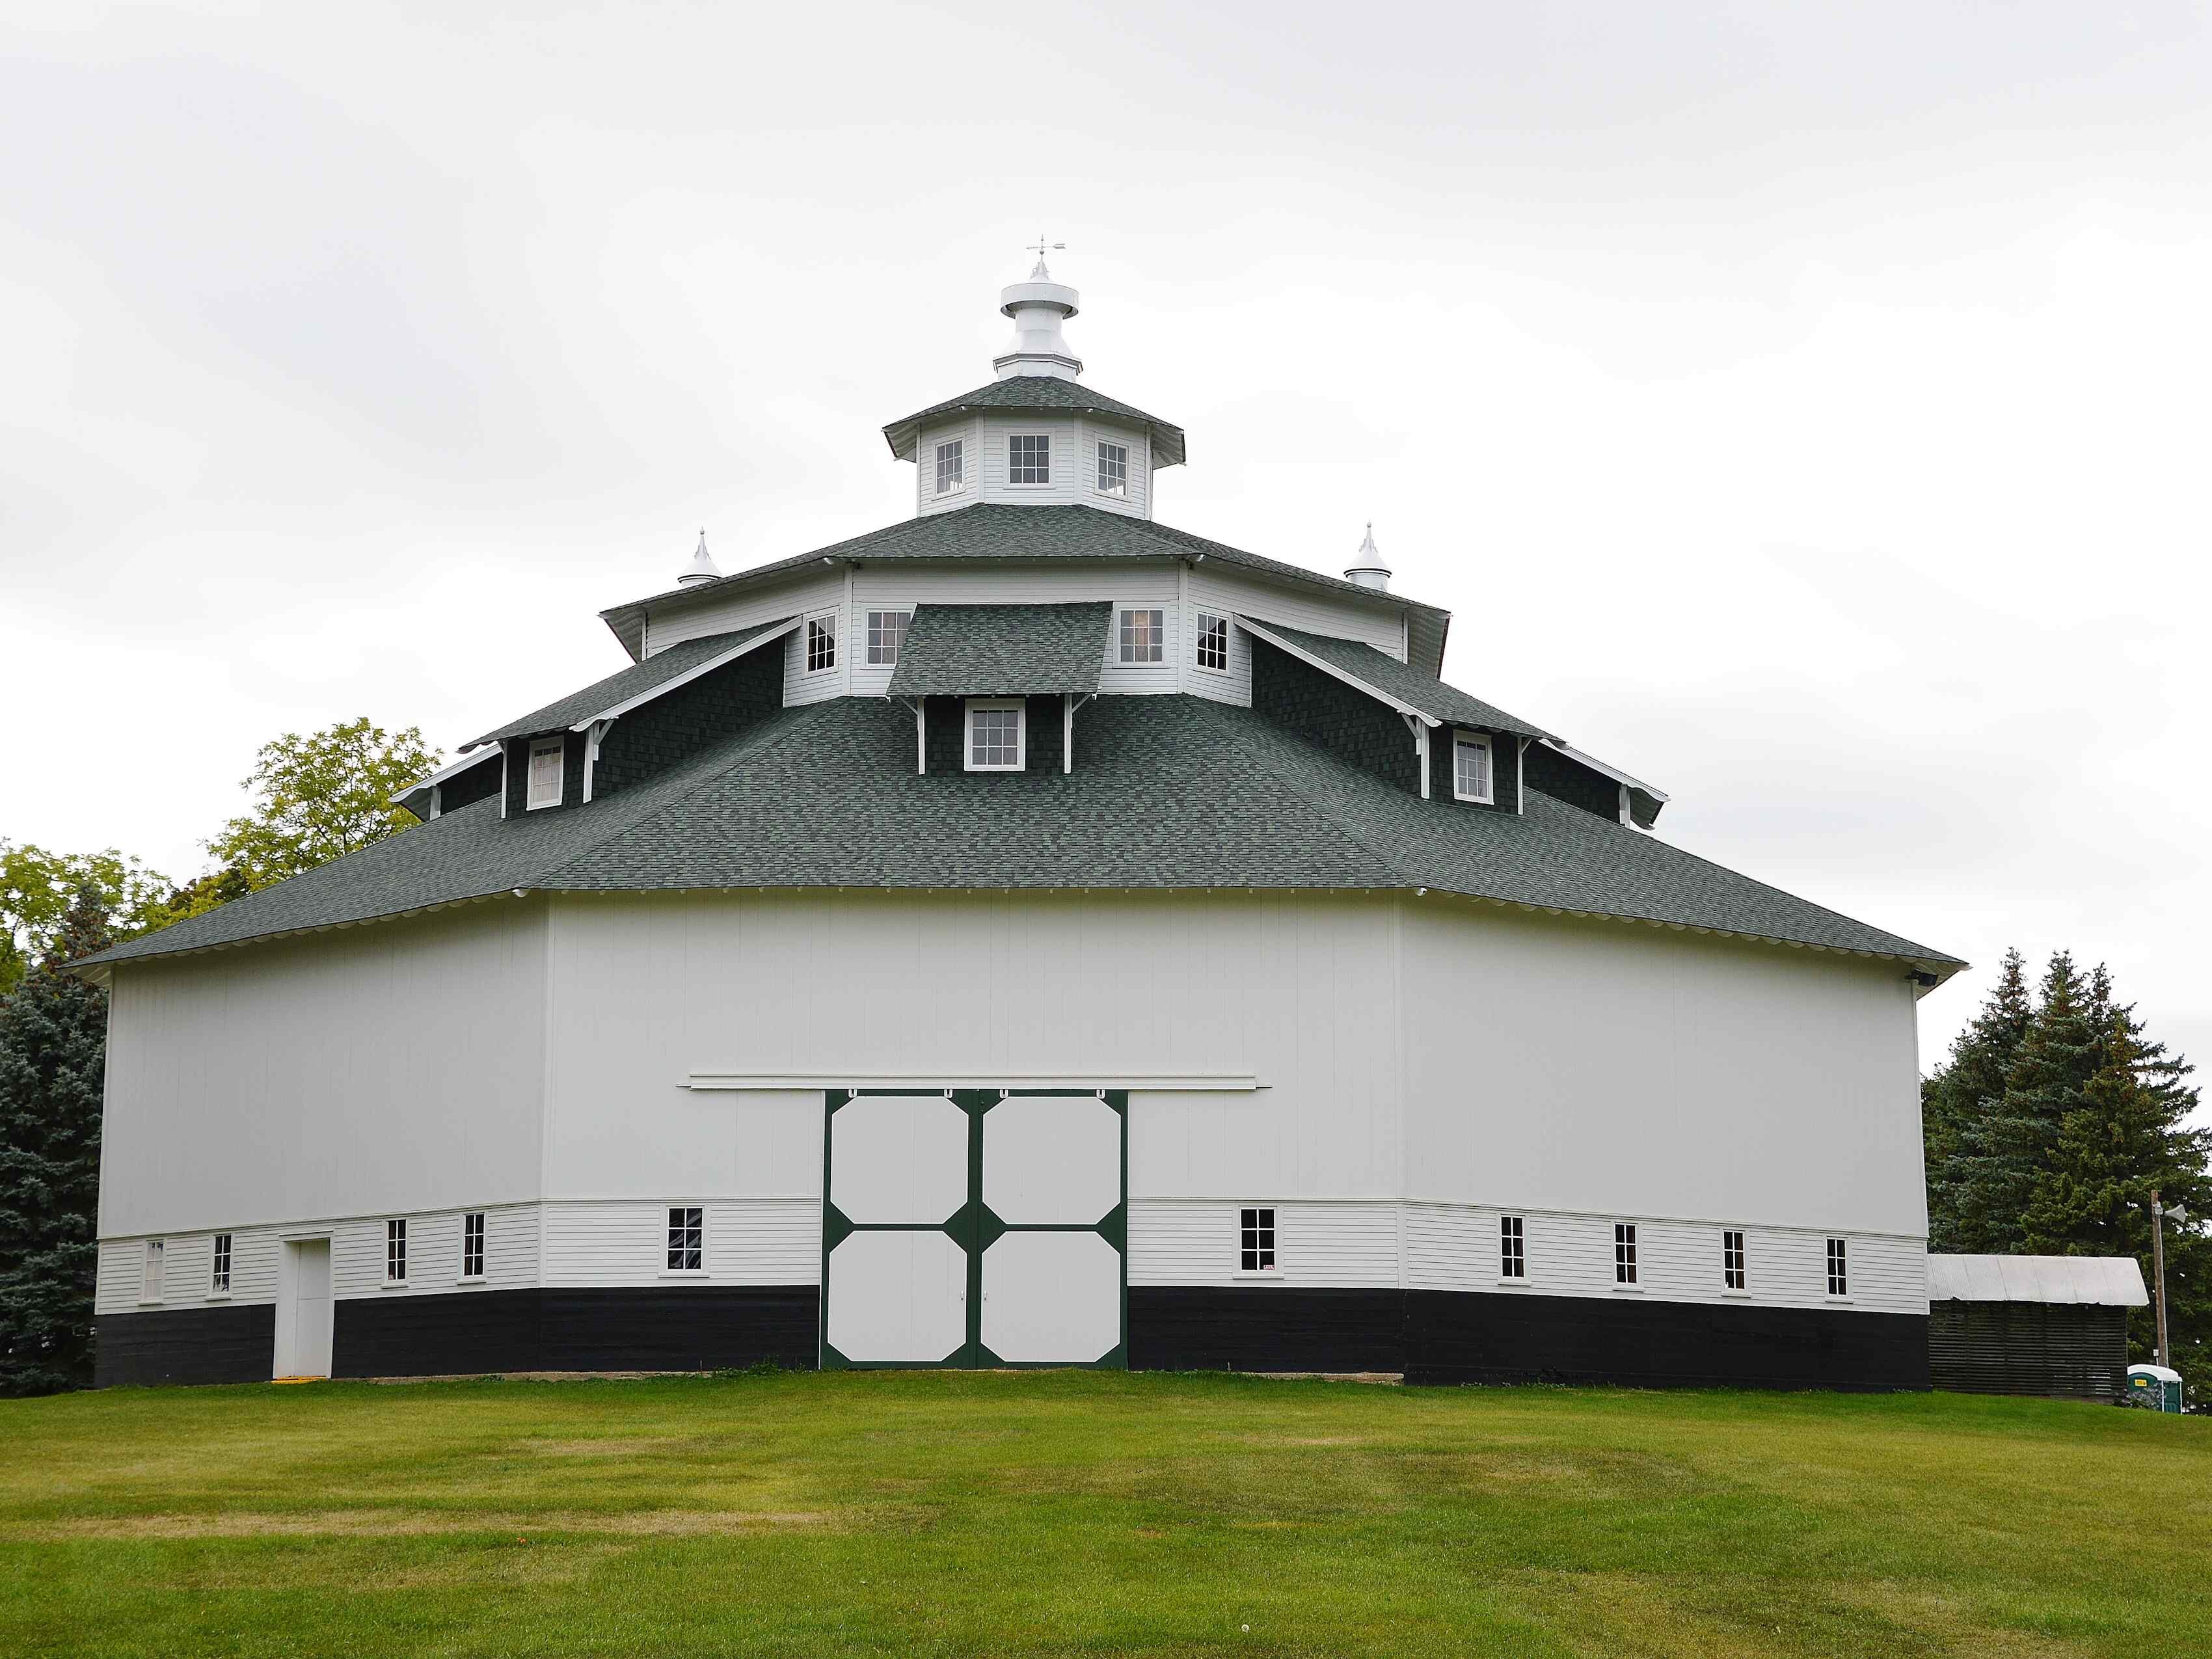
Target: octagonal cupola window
1035,435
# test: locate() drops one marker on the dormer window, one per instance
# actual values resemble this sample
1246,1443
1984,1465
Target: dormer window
545,769
1113,469
1471,768
995,734
821,643
1029,458
950,458
1144,635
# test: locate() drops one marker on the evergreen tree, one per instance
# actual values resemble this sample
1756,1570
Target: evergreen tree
53,1042
2005,1153
2125,1136
1953,1102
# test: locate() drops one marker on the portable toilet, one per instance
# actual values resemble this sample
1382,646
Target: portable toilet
2154,1387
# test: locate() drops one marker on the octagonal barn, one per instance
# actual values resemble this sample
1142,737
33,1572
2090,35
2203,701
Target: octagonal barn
1025,934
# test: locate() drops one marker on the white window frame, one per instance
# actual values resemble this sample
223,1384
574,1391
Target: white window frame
395,1250
1044,482
1627,1268
1118,492
1836,1255
532,800
1475,740
1205,625
466,1277
959,468
1735,1262
153,1266
826,623
221,1258
687,1228
1124,644
871,653
1513,1250
978,705
1260,1221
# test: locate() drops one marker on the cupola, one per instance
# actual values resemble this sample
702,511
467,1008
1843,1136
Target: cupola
1038,307
1035,436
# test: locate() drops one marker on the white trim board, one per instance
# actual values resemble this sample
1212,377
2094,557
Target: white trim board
1174,1082
1334,672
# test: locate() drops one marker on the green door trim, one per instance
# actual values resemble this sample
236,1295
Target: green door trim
974,1227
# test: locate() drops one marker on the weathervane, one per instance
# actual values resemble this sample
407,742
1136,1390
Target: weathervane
1042,248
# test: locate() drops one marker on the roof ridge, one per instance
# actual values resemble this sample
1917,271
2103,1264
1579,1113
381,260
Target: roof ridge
760,739
1334,822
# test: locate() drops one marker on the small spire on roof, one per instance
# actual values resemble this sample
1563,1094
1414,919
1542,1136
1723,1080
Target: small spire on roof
702,568
1368,568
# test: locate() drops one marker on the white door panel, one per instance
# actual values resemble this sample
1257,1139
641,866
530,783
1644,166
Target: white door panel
303,1310
1052,1159
1052,1297
899,1158
898,1295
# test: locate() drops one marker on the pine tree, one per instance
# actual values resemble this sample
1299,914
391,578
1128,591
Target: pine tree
53,1042
2124,1137
1962,1092
2006,1149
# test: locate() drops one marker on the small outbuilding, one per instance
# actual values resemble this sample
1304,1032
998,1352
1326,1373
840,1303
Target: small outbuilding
2050,1325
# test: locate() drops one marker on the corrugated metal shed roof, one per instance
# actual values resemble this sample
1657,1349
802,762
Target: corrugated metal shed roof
2112,1281
1002,650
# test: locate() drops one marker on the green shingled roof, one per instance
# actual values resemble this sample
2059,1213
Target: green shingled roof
1041,391
1002,650
998,530
1399,682
1168,791
661,671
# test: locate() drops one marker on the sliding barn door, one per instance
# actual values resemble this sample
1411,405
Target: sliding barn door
974,1227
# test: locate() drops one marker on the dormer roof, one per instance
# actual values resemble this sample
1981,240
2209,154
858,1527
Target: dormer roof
1395,683
617,694
1039,392
1003,650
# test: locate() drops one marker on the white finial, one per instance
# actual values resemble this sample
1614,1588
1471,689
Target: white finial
1370,571
702,569
1038,307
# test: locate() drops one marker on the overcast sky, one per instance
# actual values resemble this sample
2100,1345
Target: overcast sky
1804,408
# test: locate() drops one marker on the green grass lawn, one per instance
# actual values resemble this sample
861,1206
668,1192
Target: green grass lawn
1093,1512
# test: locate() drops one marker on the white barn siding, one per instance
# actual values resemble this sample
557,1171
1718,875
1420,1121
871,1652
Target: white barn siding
822,586
970,433
649,989
372,1070
775,1242
1222,589
1593,1066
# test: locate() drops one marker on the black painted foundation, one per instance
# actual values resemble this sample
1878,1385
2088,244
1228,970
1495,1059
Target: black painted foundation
1431,1336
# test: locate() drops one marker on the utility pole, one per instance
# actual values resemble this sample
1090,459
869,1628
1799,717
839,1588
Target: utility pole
2158,1268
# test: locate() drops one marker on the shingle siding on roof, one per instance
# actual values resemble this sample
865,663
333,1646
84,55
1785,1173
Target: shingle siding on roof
1504,790
518,774
1341,718
477,783
1041,733
1168,791
1002,650
622,686
1570,781
1407,683
670,729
